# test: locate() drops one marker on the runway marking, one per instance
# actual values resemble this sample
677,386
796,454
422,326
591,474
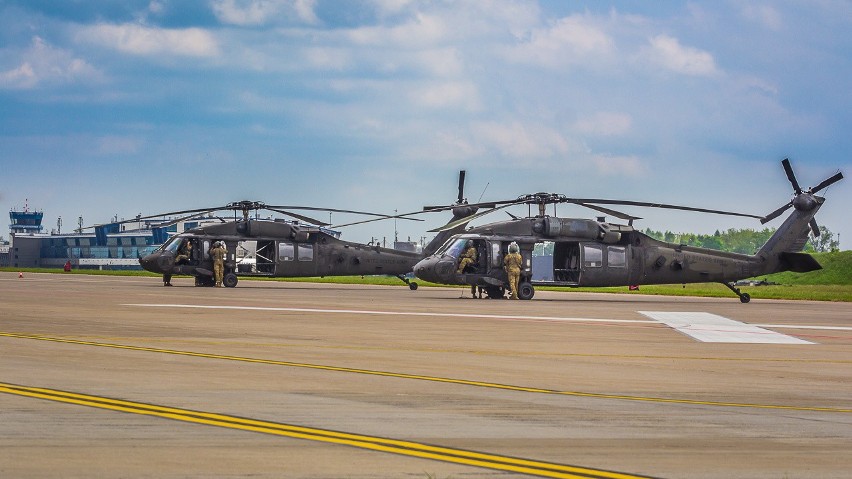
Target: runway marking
390,313
375,443
464,382
712,328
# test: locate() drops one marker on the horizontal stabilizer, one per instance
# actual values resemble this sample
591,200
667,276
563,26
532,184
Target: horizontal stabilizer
798,262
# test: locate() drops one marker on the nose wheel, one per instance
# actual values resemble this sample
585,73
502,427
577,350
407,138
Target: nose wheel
411,284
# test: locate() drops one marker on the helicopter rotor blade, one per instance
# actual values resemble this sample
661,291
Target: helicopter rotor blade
468,219
617,214
403,216
646,204
791,176
827,182
814,227
776,213
306,219
461,186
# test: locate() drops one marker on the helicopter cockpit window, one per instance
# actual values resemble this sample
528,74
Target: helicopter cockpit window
173,244
286,251
592,256
454,248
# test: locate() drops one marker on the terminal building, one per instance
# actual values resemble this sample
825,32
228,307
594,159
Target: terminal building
110,246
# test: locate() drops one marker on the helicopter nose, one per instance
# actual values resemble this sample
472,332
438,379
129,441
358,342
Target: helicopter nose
148,263
424,269
157,262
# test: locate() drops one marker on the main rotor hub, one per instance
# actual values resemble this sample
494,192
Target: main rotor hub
804,202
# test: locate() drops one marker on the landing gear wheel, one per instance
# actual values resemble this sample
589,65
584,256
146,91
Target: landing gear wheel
229,280
525,291
745,298
412,286
495,292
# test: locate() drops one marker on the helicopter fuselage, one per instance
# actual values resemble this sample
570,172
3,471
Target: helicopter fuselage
579,253
274,249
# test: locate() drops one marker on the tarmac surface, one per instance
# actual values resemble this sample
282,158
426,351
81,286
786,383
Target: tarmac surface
120,377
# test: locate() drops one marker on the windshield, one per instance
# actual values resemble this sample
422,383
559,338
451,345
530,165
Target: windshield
453,247
172,245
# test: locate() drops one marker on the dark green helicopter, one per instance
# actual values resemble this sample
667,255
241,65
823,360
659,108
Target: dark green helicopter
278,248
597,253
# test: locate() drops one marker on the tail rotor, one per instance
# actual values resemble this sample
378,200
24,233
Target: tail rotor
802,200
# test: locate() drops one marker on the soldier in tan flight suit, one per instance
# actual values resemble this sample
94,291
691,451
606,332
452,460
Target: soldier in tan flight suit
468,257
512,264
218,252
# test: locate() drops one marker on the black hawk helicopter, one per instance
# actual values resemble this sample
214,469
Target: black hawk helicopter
597,253
277,248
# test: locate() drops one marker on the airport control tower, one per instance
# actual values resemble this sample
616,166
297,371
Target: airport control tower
24,222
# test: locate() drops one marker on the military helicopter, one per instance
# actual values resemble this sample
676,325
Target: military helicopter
277,248
597,253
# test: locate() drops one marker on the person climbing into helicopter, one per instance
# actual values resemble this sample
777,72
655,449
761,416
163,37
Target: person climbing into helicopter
218,252
468,257
512,264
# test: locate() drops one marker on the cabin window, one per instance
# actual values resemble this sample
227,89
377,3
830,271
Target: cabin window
306,252
285,251
592,256
496,257
616,256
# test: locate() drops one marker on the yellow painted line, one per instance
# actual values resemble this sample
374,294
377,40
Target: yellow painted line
393,446
465,382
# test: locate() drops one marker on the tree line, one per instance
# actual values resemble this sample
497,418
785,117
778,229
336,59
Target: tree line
746,241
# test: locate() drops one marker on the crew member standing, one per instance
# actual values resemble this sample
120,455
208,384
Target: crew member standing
512,264
218,252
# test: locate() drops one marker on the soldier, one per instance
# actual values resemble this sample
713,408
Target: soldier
468,257
184,253
512,264
218,252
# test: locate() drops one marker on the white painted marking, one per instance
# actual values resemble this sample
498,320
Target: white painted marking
804,326
712,328
393,313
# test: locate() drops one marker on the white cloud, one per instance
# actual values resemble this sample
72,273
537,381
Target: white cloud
451,95
43,63
570,40
23,77
422,30
260,12
605,124
148,41
521,142
764,15
667,51
630,166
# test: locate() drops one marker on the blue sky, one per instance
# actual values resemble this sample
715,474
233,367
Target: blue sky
119,108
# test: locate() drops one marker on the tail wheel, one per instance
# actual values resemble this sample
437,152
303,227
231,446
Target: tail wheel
525,291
